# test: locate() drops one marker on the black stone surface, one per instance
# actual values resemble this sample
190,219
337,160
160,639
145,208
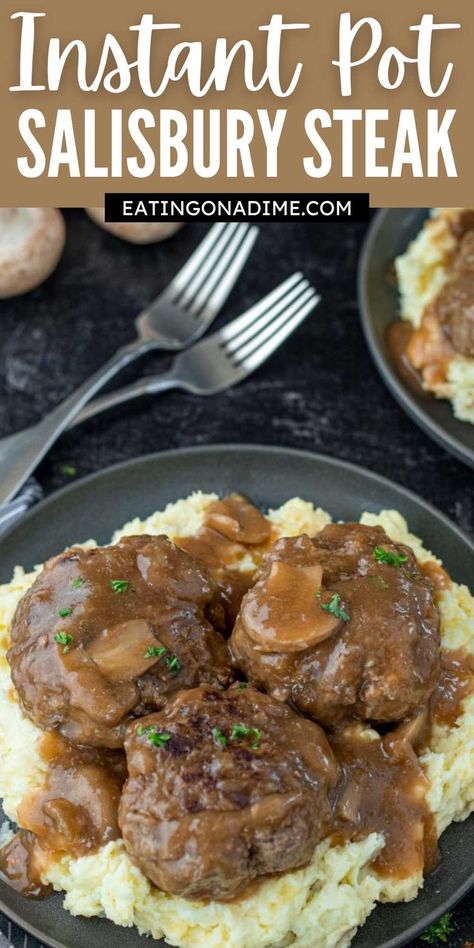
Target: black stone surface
320,392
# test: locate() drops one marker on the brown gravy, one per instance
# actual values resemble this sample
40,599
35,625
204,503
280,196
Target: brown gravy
384,787
75,811
456,683
461,223
422,356
439,577
399,335
76,808
20,864
384,791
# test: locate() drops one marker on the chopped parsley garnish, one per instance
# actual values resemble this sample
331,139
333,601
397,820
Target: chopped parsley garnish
155,651
68,470
440,930
174,664
391,559
77,581
242,730
119,585
242,685
318,594
157,738
64,612
64,639
220,737
334,607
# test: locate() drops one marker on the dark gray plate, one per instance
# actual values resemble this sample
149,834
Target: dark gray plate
97,505
390,233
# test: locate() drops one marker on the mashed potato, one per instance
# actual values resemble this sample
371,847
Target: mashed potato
319,906
422,271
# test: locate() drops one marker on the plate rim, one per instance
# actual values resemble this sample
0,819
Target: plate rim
270,449
401,392
218,447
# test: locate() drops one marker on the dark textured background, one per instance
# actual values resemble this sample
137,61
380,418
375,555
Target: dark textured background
321,392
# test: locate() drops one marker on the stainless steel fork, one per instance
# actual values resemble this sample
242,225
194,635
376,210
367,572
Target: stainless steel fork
229,355
177,317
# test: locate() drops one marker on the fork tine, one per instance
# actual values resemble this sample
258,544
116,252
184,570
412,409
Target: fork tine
179,282
222,278
241,350
248,318
258,324
213,355
206,266
260,355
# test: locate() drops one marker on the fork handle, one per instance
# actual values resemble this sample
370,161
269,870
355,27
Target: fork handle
156,383
20,453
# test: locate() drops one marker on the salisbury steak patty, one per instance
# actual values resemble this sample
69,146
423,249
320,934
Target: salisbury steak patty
343,626
106,634
224,787
454,305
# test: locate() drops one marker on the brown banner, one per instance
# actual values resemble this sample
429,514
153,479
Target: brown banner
416,151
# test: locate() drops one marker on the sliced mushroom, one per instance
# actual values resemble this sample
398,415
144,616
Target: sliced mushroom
126,650
238,520
349,802
31,243
137,232
414,730
282,613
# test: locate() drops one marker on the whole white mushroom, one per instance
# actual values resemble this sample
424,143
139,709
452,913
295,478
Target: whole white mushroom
137,232
31,243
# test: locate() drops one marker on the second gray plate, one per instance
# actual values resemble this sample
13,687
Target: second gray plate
96,506
390,233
